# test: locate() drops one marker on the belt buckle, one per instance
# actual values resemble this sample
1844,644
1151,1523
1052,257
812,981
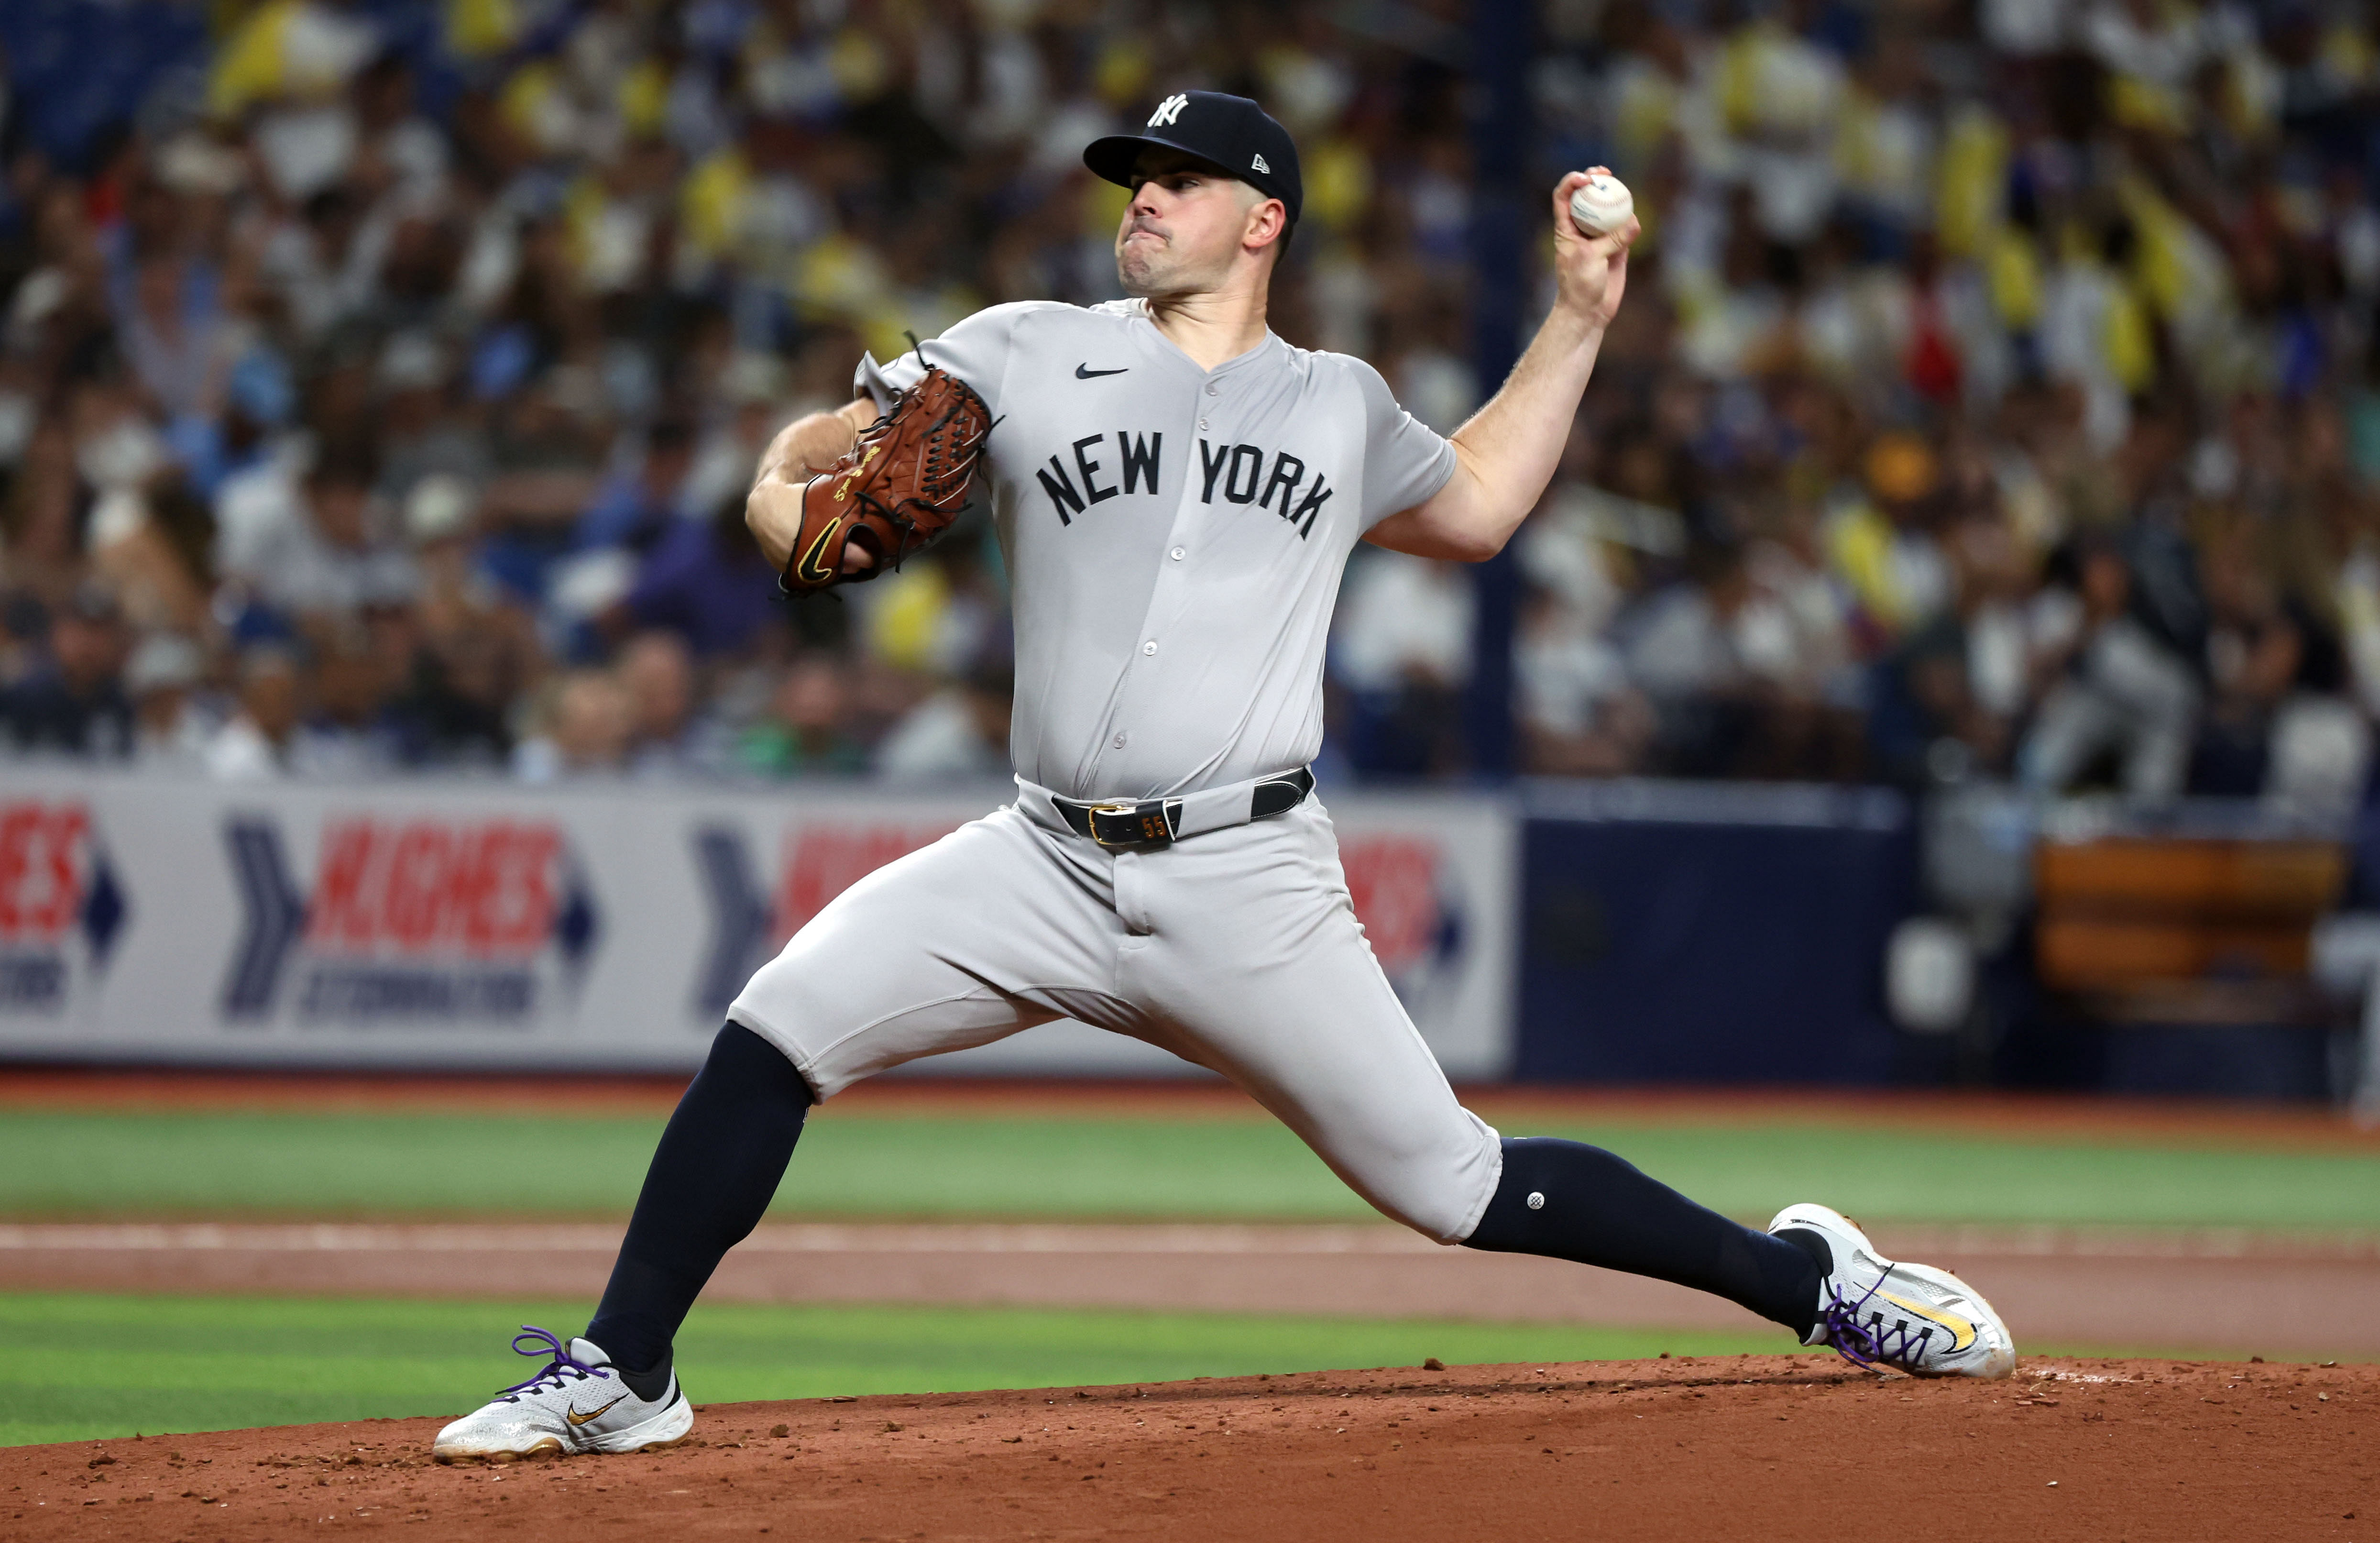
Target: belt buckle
1150,826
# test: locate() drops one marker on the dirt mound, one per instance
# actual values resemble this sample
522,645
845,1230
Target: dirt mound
1766,1447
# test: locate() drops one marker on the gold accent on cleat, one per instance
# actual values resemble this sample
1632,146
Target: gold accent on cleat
1962,1333
538,1448
575,1418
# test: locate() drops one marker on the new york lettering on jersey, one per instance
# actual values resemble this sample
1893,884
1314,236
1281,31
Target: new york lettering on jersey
1137,457
1240,471
1084,476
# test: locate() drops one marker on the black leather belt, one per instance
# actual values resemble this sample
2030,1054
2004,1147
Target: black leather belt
1155,822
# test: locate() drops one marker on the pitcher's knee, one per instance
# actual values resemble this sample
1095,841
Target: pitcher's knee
1440,1192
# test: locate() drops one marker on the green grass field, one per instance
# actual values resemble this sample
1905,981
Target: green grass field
93,1366
94,1165
85,1366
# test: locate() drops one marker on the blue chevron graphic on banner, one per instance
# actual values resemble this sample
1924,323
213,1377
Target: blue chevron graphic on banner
740,914
276,917
105,908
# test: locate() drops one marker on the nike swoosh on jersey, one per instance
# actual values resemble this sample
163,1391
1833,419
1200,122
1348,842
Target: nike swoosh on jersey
1962,1333
575,1418
1085,372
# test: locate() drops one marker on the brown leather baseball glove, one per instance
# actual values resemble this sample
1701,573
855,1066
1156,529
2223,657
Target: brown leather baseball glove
897,488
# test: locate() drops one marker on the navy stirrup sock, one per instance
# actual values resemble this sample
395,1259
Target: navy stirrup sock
714,1174
1593,1208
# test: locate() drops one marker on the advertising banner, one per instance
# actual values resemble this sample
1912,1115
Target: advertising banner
599,926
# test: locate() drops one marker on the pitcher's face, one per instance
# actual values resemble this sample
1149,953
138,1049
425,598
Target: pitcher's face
1187,223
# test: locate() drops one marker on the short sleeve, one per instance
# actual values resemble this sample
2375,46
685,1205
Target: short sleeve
976,350
1405,460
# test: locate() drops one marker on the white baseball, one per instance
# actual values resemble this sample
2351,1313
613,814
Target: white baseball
1601,204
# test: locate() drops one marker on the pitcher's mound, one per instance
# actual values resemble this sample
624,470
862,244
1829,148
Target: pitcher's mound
1715,1449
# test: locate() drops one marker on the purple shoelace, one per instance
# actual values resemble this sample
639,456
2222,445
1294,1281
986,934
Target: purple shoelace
542,1343
1872,1344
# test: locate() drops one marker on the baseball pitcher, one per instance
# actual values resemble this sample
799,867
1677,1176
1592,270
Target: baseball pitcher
1176,492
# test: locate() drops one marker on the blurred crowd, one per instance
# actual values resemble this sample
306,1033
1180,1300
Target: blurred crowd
1997,393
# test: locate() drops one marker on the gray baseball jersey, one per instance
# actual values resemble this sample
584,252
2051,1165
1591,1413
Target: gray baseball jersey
1174,536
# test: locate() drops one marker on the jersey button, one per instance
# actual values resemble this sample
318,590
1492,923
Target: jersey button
1177,555
1118,740
1149,647
1202,423
1210,391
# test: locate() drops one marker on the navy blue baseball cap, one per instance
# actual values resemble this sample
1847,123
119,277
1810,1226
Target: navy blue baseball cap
1232,132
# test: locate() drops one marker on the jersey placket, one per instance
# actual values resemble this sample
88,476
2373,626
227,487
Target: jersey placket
1142,691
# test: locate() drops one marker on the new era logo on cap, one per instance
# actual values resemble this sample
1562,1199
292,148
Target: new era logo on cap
1168,111
1258,164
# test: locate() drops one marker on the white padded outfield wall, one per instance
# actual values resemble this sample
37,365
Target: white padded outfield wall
437,923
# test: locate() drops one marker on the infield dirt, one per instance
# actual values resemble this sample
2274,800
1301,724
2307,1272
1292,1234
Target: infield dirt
1777,1449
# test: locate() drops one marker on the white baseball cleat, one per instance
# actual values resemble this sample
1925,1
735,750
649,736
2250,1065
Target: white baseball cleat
578,1404
1906,1317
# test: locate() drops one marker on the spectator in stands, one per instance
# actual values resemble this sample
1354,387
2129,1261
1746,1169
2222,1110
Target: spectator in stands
1402,642
470,652
940,617
579,726
332,554
2121,690
2256,651
153,549
545,439
666,732
2277,721
705,581
346,733
637,509
421,433
959,733
253,744
162,678
1882,547
1948,697
1685,652
1580,714
180,344
72,703
804,730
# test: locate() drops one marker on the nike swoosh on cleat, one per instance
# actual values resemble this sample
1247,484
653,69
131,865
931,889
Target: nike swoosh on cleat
575,1418
1962,1333
1085,372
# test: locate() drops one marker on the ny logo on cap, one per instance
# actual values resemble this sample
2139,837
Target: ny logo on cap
1168,111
